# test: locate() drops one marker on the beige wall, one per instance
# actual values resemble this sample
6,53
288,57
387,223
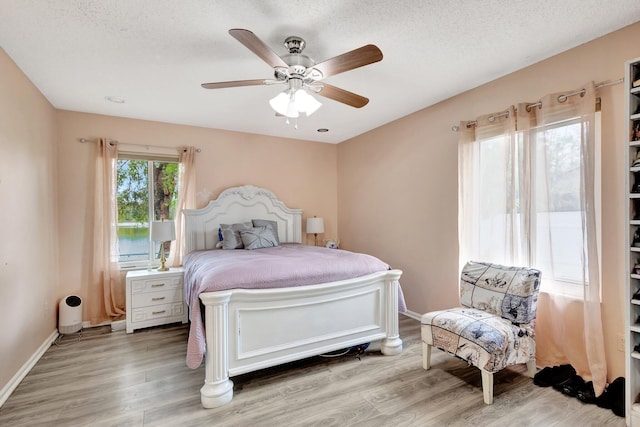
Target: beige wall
28,219
397,184
302,174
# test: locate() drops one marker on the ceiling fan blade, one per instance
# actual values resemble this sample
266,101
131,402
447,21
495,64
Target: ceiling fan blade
257,46
348,61
221,85
344,96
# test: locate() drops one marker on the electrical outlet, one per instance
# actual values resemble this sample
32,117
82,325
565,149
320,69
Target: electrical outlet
620,342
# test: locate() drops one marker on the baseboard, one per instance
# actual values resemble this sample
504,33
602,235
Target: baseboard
86,324
413,315
118,325
29,364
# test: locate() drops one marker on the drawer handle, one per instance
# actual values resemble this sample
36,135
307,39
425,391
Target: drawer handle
157,285
158,299
159,312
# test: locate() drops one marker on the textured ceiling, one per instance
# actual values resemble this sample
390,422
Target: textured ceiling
155,53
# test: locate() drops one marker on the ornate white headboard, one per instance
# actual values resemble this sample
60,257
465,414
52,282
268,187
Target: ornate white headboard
240,204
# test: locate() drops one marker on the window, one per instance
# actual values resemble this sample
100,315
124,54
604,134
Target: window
147,191
556,211
499,226
524,201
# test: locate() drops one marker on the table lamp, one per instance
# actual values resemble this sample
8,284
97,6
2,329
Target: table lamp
315,225
163,231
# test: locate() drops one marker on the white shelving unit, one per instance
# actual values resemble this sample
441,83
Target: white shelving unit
632,219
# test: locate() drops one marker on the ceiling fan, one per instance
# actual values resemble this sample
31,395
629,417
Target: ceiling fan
300,72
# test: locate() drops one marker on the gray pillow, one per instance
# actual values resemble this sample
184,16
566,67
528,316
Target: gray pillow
258,238
231,234
269,224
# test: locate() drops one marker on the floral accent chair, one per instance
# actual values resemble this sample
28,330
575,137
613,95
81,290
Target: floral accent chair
494,328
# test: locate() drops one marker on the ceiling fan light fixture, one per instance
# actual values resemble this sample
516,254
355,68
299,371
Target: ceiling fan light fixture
292,110
291,103
280,103
306,103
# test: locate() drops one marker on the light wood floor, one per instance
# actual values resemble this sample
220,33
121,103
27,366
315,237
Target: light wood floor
114,379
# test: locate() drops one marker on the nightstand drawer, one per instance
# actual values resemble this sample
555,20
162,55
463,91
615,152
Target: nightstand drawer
156,298
157,311
156,284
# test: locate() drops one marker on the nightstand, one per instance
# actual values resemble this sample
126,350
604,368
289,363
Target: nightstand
155,298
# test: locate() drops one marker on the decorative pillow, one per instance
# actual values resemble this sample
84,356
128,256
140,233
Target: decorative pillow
258,238
269,224
509,292
231,234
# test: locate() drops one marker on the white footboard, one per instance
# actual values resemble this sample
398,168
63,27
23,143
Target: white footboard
247,330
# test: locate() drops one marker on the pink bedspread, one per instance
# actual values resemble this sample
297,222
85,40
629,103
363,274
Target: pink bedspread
282,266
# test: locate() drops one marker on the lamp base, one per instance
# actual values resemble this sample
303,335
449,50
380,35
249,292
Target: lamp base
163,260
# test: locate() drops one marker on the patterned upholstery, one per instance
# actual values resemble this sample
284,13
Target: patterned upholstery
483,339
510,292
495,326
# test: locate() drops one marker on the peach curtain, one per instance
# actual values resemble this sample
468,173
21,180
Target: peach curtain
106,299
186,200
500,164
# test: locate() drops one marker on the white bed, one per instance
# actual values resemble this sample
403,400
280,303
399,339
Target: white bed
301,321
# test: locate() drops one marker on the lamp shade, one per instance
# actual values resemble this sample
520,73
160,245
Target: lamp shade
292,102
280,103
315,225
306,103
163,231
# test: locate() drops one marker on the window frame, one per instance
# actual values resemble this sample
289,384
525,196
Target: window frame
567,287
150,158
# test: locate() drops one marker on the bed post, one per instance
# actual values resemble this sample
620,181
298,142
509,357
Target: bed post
218,388
392,344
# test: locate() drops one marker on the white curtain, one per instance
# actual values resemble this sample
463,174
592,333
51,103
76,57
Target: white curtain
490,183
513,180
186,200
106,298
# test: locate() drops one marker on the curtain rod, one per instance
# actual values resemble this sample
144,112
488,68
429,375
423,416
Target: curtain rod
147,146
561,98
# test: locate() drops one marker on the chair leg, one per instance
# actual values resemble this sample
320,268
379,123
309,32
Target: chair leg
487,386
531,368
426,355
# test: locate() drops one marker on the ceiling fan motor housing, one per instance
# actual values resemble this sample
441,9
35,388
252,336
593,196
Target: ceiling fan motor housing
294,44
298,63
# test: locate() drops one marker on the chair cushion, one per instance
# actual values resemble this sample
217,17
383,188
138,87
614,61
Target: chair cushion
484,340
510,292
